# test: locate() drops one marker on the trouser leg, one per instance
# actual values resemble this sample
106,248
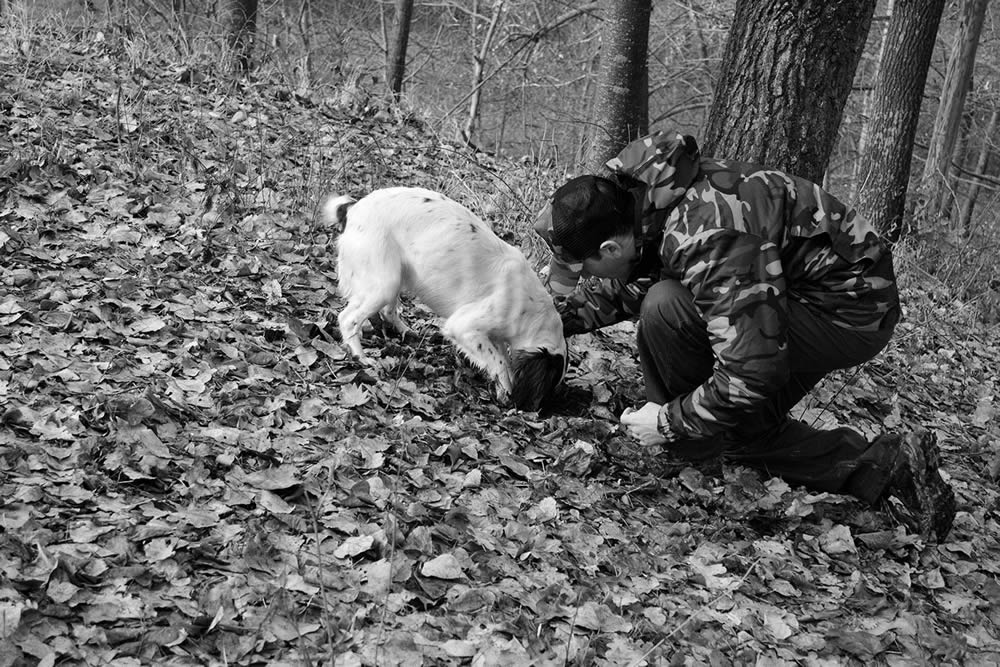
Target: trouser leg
674,351
676,357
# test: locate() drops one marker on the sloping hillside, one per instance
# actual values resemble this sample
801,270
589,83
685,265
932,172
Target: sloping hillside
193,473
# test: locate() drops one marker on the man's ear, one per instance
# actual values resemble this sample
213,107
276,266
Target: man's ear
611,248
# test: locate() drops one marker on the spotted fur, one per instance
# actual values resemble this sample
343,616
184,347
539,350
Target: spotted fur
494,307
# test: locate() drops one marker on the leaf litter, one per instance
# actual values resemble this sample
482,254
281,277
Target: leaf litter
193,472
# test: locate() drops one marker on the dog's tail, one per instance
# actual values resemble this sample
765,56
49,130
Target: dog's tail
335,211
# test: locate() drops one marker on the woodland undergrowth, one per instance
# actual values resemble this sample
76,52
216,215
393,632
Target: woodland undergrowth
192,472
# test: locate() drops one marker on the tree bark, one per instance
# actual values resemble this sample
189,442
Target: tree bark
242,15
622,110
982,164
936,181
898,93
401,38
786,72
866,108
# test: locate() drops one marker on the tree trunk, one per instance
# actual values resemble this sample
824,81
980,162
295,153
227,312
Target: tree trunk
397,61
477,75
866,108
885,166
982,164
786,73
622,110
936,182
242,15
305,66
588,105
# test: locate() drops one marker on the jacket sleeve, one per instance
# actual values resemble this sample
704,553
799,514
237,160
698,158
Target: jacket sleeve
739,289
600,303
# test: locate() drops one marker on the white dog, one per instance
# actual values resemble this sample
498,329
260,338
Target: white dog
495,309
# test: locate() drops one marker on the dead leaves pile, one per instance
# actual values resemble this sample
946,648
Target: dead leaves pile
191,472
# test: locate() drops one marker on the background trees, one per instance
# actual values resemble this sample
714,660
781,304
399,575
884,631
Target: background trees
523,78
937,181
897,97
622,111
242,20
397,50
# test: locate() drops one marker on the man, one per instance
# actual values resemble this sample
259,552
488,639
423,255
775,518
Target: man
749,285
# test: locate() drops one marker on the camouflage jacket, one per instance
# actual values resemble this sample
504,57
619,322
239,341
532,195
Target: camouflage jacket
744,240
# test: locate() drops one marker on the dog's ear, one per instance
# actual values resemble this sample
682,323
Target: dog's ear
535,376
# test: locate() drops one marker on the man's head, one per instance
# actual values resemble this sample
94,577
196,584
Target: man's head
593,223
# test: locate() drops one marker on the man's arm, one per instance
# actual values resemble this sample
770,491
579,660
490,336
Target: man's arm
600,303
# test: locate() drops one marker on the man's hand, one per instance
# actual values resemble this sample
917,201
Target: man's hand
641,424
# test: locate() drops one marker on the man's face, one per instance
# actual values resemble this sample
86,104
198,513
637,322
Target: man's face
615,259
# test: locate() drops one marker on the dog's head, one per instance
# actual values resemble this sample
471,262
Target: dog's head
535,374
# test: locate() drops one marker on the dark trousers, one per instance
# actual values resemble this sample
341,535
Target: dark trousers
676,357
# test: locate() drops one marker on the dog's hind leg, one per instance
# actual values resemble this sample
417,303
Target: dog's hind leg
352,318
371,277
364,303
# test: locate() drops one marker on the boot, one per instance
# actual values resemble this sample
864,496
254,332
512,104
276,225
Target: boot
917,483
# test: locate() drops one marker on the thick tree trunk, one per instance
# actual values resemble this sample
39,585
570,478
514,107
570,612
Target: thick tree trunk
936,182
242,15
885,165
401,38
622,110
786,73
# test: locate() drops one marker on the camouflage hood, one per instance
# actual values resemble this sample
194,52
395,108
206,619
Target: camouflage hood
664,163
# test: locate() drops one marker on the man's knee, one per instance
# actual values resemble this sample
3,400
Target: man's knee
668,302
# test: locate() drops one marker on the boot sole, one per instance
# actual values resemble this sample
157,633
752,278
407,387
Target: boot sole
935,498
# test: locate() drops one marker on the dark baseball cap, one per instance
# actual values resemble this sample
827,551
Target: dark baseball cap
587,211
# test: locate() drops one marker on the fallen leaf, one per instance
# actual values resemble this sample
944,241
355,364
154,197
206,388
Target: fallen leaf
445,566
353,396
459,648
354,546
837,540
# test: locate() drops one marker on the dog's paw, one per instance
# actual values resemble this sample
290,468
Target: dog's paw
364,360
503,395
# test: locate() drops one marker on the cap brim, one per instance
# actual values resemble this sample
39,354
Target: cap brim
563,276
563,272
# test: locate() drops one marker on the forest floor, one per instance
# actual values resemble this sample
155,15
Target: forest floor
192,472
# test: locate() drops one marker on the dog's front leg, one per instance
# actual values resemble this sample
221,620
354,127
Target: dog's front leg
464,330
